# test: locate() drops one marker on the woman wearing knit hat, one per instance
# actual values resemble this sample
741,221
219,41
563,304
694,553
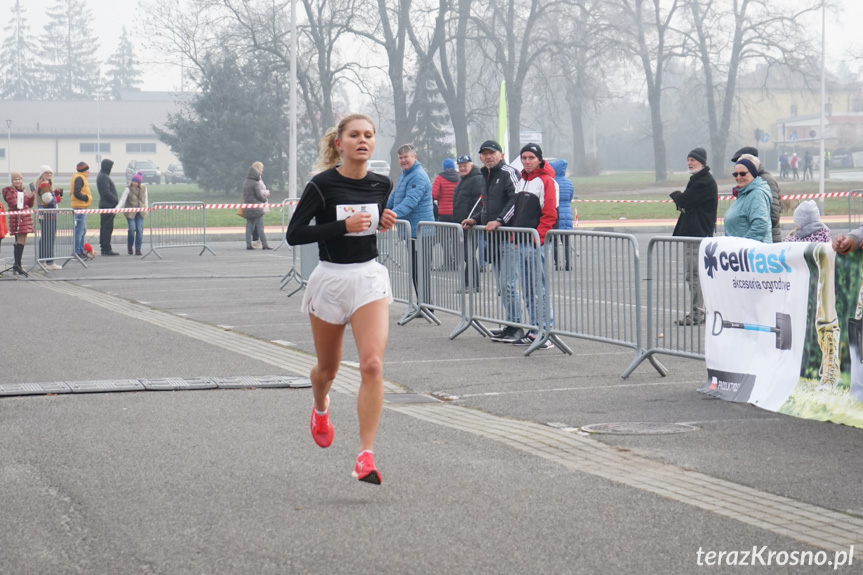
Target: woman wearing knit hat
19,199
807,225
135,196
809,228
749,214
47,198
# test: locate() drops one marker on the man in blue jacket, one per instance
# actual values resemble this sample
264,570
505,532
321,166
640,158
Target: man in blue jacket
411,200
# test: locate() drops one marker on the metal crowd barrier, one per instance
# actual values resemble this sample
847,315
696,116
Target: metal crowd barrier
671,263
598,295
395,254
54,237
308,261
440,251
178,225
509,292
287,208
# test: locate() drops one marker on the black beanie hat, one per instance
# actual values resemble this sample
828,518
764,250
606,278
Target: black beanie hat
533,149
699,155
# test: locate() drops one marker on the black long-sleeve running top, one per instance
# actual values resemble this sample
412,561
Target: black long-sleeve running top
323,194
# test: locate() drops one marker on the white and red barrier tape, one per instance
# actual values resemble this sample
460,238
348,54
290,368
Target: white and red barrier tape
727,197
293,202
160,207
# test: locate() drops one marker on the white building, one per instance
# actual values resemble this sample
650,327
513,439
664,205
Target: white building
63,133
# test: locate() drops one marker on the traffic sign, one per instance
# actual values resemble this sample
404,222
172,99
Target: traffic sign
793,137
765,137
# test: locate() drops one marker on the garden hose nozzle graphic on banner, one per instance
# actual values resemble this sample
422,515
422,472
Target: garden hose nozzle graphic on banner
782,328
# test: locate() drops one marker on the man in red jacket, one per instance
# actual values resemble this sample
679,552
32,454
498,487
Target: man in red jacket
536,198
442,194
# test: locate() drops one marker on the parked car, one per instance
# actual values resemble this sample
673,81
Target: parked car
151,172
175,175
379,167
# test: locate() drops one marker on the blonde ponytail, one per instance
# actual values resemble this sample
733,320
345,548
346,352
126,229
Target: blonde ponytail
328,155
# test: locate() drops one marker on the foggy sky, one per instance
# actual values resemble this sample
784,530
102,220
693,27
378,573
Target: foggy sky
110,15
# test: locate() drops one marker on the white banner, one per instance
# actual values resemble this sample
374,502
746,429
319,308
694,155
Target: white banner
773,335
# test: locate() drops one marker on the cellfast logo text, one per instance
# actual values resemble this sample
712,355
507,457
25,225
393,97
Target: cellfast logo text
744,260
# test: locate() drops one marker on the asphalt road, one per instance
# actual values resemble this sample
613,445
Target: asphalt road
228,481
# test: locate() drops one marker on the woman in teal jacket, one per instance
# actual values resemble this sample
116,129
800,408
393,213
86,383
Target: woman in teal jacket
749,214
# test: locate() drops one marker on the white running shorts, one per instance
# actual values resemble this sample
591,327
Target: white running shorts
336,291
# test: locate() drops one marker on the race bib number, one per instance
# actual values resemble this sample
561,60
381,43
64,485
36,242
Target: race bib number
344,211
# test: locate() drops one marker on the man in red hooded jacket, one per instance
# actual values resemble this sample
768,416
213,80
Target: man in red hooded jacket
535,206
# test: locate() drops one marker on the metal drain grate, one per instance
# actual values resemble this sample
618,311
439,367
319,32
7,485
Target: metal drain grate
639,428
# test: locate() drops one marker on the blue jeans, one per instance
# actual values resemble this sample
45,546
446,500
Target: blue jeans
136,231
506,271
535,301
80,231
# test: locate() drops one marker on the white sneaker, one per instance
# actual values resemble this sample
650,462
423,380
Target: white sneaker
53,267
256,245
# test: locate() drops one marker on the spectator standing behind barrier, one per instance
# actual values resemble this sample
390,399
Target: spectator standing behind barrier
783,166
536,199
749,215
47,220
442,193
809,228
465,198
107,201
795,161
19,198
135,196
697,205
3,230
256,239
775,193
254,216
348,285
807,165
564,210
498,201
411,200
81,198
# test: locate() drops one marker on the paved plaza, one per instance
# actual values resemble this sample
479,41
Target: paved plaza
485,466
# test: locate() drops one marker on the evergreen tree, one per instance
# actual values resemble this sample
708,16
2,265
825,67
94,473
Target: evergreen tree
432,140
123,72
68,52
18,80
234,121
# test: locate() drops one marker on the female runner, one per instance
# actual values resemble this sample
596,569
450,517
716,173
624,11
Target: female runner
348,285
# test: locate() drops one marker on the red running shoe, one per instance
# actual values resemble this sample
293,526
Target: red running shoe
365,469
322,429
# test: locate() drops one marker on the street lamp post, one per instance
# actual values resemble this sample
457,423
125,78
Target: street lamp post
292,145
823,163
9,147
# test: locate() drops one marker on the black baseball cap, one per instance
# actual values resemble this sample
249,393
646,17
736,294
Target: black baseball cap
491,145
463,159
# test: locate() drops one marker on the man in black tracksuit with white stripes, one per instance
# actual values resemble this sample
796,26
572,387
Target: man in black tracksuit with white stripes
498,201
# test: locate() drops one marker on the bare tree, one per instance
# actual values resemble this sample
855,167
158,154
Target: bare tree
725,37
579,61
644,30
390,31
516,33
